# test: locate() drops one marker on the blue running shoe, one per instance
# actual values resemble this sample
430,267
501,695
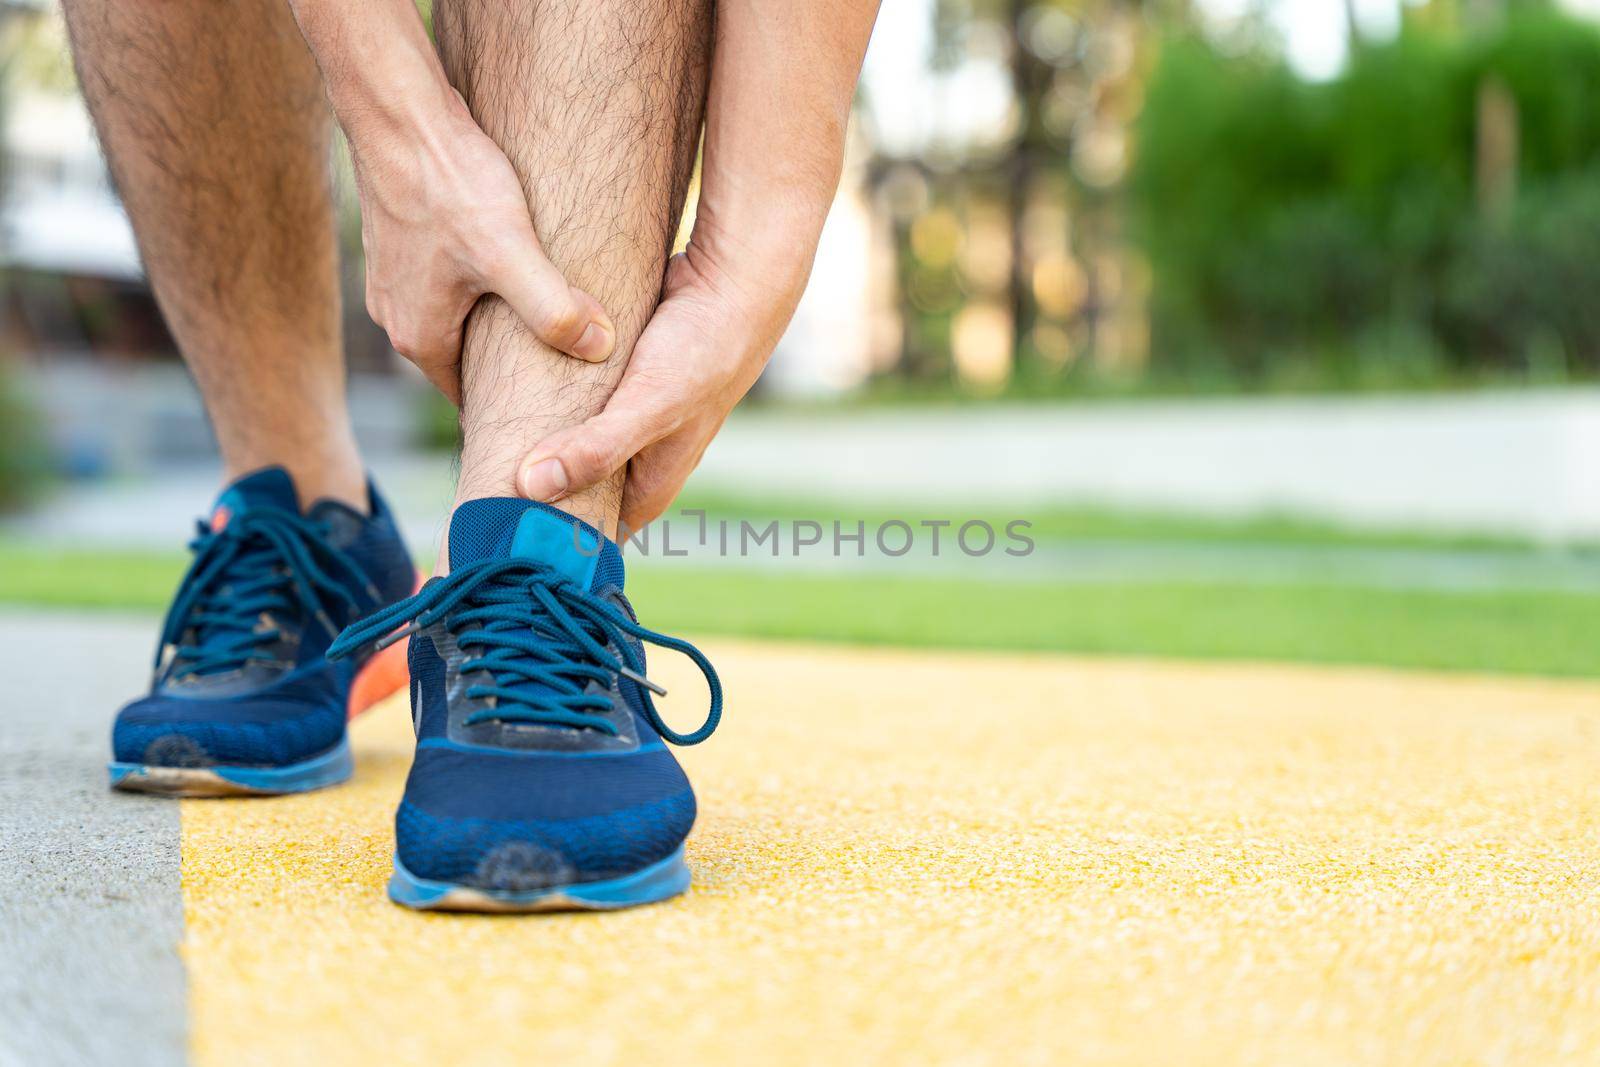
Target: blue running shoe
244,699
541,781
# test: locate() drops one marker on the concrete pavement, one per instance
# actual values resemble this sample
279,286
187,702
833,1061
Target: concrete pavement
1519,462
1512,461
91,913
157,515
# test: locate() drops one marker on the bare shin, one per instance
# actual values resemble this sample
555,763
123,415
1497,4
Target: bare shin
598,104
213,119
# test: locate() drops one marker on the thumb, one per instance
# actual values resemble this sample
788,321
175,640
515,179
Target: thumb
580,456
562,316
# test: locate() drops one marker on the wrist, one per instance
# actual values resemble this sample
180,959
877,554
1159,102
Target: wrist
760,253
382,74
401,97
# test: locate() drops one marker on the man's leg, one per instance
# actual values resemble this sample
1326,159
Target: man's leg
213,118
211,113
598,105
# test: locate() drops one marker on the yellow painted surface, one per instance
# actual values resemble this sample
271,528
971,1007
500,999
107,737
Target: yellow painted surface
949,858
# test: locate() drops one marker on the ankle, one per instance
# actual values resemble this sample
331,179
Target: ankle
599,506
334,473
347,486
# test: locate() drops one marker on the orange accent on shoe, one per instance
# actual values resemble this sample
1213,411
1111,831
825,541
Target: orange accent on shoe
384,675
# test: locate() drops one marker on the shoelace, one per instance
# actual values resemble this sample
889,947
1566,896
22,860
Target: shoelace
541,639
264,561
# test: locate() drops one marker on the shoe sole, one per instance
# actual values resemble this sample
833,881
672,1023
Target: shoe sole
318,772
380,678
657,882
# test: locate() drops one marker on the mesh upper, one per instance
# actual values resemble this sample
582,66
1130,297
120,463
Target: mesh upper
482,528
271,728
463,782
379,549
472,851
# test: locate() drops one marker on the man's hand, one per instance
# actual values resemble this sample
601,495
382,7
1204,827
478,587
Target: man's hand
444,219
776,114
701,352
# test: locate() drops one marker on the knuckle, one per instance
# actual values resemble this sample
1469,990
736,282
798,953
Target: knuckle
562,322
492,259
595,453
668,417
646,501
405,342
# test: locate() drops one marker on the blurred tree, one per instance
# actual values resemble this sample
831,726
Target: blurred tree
1030,79
1306,232
23,460
1053,168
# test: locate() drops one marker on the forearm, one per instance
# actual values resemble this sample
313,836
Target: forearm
783,77
382,73
445,218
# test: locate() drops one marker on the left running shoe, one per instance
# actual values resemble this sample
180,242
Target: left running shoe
244,700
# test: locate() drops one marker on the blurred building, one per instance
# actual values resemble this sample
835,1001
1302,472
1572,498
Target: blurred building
77,290
75,283
76,310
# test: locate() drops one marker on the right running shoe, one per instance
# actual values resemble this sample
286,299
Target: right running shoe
244,700
541,781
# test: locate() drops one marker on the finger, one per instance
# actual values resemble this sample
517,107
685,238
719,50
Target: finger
446,378
429,337
645,497
562,316
437,357
652,486
581,456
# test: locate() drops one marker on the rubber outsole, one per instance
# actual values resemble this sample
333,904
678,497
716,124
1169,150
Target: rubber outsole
330,768
660,881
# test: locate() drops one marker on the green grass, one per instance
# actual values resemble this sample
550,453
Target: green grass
1534,633
82,578
1513,632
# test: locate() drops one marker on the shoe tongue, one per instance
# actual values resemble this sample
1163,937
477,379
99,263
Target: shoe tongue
270,487
506,527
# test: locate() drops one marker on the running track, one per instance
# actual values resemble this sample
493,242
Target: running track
920,858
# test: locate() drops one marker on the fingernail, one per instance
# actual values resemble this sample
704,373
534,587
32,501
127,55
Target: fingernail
595,344
545,480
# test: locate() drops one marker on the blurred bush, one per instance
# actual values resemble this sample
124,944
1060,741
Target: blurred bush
23,457
438,422
1432,213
